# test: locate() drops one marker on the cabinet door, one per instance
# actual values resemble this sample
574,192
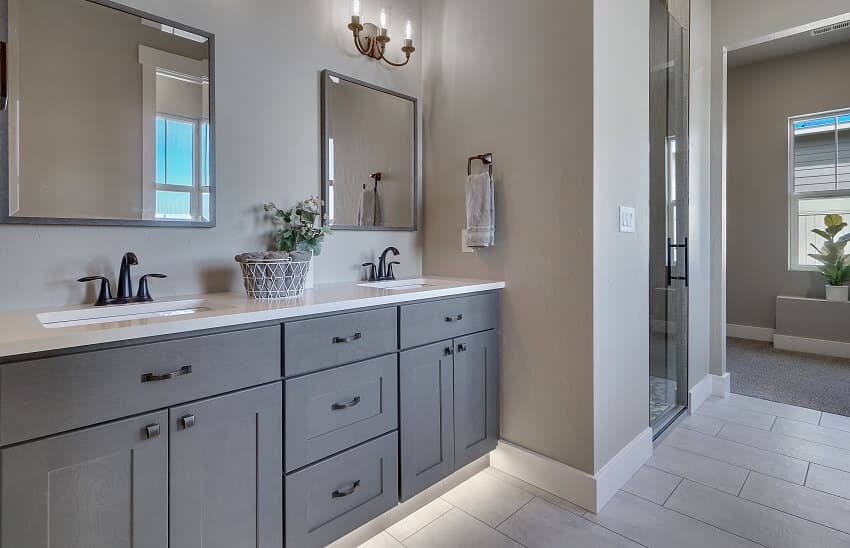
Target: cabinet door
476,396
102,487
226,471
427,438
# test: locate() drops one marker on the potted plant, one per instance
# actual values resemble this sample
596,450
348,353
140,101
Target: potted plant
834,266
298,235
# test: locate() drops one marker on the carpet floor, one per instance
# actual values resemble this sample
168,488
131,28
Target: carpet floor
807,380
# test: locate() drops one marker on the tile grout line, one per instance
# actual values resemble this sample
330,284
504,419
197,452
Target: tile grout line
774,509
732,463
489,526
792,438
424,525
688,516
584,511
729,402
514,513
673,491
741,490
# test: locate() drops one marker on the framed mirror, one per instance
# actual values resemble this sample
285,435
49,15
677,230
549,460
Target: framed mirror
110,117
370,157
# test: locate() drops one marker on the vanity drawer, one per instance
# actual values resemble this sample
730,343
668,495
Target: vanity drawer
334,497
320,343
431,321
50,395
330,411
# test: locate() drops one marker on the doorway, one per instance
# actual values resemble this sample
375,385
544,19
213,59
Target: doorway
668,298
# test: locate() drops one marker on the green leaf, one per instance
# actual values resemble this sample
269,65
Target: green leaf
821,233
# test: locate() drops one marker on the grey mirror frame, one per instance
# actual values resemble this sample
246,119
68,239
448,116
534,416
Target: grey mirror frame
6,218
325,74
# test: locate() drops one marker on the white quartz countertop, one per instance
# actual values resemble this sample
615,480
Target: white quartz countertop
21,332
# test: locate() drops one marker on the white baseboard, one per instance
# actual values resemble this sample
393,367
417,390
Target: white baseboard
721,384
749,332
700,392
823,347
588,491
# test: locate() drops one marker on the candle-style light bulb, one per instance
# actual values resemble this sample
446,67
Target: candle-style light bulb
355,8
408,30
383,19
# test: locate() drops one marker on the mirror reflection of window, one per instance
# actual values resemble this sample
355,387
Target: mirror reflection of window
133,148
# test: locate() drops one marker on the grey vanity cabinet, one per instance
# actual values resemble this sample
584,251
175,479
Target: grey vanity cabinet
476,396
449,401
101,487
225,471
427,416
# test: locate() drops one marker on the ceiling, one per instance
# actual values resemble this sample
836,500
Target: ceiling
788,45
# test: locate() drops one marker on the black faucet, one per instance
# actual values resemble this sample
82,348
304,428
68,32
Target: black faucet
385,273
125,285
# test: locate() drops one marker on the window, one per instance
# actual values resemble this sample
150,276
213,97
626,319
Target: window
182,168
819,179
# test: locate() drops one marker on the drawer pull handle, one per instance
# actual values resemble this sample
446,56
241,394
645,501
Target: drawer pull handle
449,351
188,421
150,377
461,347
151,431
350,491
343,340
452,319
346,405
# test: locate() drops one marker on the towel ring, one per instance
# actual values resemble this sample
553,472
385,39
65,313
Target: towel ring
486,159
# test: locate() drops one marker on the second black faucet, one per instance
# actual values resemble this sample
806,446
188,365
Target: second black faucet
384,271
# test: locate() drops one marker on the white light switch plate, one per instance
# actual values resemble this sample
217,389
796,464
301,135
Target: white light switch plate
627,219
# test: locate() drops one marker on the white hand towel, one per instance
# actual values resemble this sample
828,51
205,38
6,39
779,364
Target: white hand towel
370,213
480,211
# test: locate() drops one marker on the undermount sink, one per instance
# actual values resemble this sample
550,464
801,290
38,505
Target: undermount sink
399,285
120,313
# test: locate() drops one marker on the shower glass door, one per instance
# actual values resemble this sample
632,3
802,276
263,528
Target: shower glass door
668,298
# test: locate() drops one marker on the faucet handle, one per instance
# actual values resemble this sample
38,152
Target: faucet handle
372,271
390,273
144,294
105,293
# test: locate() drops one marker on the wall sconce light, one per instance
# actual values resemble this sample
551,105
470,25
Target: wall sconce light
371,40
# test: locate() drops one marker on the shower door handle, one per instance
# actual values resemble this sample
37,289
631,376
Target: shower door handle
670,247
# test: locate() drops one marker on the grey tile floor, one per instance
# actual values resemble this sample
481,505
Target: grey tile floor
740,472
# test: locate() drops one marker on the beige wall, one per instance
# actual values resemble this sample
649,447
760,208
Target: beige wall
733,23
761,97
620,177
80,96
699,183
530,103
269,54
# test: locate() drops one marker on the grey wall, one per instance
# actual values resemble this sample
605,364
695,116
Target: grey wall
269,54
761,97
530,103
733,23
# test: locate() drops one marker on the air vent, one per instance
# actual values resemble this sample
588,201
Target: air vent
837,26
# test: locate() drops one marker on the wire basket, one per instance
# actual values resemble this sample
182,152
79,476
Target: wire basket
280,279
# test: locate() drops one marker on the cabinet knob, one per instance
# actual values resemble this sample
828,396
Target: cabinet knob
187,421
449,351
152,431
461,347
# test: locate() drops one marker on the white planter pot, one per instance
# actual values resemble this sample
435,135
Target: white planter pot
310,282
836,293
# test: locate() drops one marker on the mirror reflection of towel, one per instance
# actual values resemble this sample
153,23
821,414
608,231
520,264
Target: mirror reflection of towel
370,213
